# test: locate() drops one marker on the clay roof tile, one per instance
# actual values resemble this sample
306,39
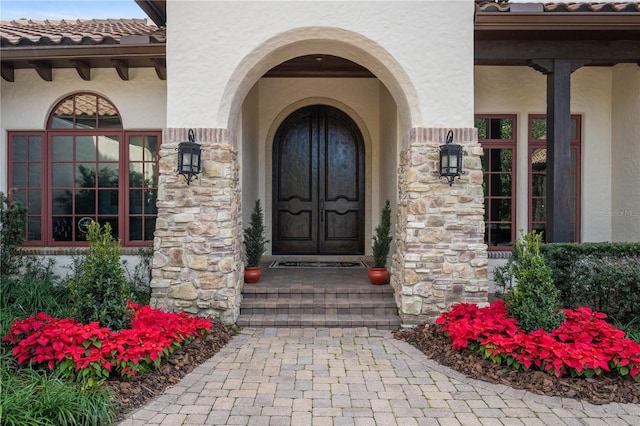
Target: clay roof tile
75,32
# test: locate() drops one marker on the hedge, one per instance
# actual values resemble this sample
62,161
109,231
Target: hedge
602,276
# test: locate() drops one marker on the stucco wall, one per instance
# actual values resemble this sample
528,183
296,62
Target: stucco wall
625,152
26,103
522,91
422,51
252,175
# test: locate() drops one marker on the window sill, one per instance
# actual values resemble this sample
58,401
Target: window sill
73,251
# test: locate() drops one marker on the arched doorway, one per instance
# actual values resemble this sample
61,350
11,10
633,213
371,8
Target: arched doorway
318,184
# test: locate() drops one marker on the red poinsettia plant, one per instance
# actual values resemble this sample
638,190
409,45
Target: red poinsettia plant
583,345
91,353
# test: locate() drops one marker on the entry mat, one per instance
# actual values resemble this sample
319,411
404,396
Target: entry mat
293,264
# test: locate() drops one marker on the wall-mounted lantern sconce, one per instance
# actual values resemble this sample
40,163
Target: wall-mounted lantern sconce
450,159
189,158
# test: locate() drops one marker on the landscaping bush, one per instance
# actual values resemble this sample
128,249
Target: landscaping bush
89,353
571,265
100,293
584,345
38,289
534,302
40,397
139,279
13,218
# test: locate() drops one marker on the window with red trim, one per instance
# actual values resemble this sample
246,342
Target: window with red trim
538,174
85,167
497,136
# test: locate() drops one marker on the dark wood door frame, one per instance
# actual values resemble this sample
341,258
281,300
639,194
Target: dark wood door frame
318,184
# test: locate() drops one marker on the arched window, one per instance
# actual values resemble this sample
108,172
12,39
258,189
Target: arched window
85,167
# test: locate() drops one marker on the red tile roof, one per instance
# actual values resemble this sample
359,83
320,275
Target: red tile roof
505,6
20,33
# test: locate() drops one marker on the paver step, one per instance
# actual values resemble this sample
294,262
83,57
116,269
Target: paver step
315,306
256,291
329,297
384,322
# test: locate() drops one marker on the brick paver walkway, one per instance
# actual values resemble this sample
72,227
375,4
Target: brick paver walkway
358,377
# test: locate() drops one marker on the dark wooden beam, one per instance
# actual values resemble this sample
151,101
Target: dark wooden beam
83,69
122,68
519,52
7,72
558,208
160,64
43,69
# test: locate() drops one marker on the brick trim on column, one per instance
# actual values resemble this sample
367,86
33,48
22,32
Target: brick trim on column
197,245
441,258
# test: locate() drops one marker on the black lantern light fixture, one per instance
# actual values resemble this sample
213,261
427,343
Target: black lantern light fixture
189,158
450,159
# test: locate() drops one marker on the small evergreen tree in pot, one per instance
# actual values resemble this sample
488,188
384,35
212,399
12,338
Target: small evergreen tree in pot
381,244
254,242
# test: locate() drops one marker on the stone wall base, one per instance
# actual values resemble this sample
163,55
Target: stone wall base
197,247
440,257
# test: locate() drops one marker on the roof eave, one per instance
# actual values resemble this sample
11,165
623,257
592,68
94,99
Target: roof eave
612,25
82,52
156,10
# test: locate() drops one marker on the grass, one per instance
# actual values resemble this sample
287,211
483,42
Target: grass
40,397
632,328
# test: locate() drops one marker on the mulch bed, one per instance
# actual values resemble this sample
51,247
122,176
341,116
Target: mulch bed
136,392
602,389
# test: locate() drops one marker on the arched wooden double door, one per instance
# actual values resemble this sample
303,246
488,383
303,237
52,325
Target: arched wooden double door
318,184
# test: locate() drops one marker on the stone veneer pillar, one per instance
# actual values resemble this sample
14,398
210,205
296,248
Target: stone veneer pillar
440,258
198,241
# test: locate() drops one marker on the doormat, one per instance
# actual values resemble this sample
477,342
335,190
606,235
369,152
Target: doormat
290,264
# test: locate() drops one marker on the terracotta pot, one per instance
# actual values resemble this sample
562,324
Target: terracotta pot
252,274
378,275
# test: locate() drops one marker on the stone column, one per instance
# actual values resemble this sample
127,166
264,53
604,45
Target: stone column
440,258
198,239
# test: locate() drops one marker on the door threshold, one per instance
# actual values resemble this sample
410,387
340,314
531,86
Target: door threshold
318,258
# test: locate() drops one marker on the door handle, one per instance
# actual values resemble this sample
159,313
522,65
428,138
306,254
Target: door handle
322,210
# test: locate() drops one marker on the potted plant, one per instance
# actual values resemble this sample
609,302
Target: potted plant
378,273
254,243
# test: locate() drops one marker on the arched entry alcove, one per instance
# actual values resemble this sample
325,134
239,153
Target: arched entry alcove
440,258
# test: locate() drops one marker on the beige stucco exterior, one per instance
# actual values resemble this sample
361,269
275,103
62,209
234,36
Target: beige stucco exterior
251,39
625,154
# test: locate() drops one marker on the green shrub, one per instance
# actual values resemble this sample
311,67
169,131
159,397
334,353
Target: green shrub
608,284
254,240
100,293
13,218
534,301
37,290
570,265
382,238
139,279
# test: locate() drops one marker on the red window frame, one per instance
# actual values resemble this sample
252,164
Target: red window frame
576,145
46,179
15,190
498,143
